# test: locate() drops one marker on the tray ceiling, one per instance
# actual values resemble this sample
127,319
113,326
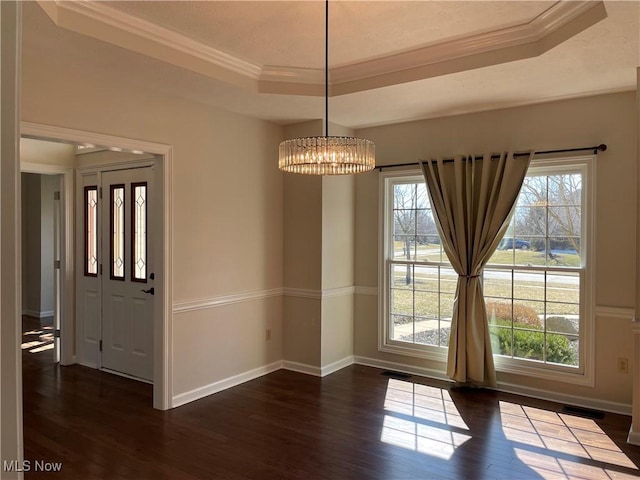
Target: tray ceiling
384,54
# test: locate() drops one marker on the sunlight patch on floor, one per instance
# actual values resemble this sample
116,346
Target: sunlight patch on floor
27,345
48,346
554,445
44,340
423,419
563,435
435,441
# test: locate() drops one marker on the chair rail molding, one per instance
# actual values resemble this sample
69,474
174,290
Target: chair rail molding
221,300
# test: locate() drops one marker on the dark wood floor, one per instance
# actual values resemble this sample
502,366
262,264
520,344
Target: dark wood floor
353,424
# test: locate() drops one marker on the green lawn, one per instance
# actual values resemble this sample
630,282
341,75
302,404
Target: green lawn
431,252
434,294
430,296
534,258
561,298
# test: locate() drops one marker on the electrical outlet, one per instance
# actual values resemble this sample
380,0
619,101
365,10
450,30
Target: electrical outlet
622,365
267,334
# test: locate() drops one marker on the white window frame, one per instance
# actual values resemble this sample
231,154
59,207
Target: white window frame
584,373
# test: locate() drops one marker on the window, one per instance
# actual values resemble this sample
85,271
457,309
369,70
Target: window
421,282
537,284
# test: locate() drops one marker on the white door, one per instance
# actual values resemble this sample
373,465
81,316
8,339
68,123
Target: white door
127,272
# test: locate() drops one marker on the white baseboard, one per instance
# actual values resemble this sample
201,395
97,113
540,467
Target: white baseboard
575,400
335,366
591,403
603,405
302,368
318,371
220,385
126,375
89,364
72,361
634,437
37,313
401,367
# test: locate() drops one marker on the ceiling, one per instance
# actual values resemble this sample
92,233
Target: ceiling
390,61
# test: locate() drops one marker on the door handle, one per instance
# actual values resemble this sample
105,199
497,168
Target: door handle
152,291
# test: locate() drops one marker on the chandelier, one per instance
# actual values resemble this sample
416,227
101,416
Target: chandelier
327,155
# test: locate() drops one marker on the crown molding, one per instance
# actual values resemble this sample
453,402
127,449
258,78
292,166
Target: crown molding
555,25
98,20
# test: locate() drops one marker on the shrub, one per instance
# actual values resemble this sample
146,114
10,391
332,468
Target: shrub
530,344
559,350
519,314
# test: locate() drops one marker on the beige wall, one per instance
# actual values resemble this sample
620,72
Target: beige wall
37,243
31,225
338,231
37,220
338,236
302,329
227,198
637,302
337,329
49,185
609,119
318,262
302,260
102,157
47,153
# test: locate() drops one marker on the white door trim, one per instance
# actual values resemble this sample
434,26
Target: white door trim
67,355
163,353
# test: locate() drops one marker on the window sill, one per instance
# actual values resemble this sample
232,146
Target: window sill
525,368
555,373
436,354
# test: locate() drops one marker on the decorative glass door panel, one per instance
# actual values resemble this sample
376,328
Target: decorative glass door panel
91,231
127,291
116,216
139,232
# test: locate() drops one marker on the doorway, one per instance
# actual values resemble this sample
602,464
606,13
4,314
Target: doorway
41,261
117,284
161,159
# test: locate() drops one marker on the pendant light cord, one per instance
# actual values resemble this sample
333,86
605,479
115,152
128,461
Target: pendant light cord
326,68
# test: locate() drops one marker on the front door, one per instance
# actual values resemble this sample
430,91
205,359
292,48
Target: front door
127,272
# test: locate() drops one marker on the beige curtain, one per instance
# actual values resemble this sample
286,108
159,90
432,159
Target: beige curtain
472,201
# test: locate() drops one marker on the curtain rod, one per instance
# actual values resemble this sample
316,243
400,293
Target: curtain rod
599,148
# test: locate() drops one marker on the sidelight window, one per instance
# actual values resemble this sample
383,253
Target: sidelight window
91,231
